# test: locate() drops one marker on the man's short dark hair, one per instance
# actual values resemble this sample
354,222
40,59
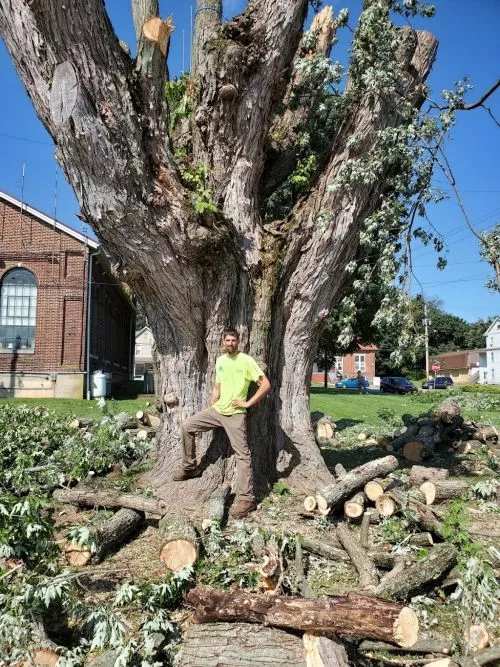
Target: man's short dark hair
229,331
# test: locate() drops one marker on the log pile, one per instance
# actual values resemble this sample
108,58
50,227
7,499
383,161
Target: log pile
444,429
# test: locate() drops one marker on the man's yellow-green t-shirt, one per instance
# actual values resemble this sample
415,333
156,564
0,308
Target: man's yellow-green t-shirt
234,375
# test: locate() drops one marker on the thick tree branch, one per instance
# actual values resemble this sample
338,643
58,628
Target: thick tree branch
243,73
142,10
480,102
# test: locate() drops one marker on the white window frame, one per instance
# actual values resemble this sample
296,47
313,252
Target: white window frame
339,364
138,350
360,362
18,305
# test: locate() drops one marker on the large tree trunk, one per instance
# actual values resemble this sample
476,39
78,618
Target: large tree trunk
197,272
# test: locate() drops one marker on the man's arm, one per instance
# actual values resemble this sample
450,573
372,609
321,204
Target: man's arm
264,387
215,393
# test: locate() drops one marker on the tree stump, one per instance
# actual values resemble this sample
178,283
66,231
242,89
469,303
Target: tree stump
180,544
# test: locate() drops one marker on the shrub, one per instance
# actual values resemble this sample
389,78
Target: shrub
481,389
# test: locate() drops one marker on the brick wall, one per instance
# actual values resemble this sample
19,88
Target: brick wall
58,263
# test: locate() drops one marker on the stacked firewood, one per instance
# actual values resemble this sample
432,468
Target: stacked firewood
443,429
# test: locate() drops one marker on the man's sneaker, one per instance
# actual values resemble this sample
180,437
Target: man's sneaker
242,508
181,475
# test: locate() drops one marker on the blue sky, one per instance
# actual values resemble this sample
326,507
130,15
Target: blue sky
468,46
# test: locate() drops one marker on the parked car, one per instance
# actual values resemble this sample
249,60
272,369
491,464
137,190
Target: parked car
439,382
396,385
351,383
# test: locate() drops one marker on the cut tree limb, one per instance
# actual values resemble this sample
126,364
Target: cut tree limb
420,474
325,548
355,507
354,615
420,646
452,488
447,411
90,498
324,652
355,479
418,450
180,543
117,530
368,576
214,507
425,518
373,490
440,558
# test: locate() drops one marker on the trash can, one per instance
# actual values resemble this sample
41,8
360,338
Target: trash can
98,388
149,382
108,383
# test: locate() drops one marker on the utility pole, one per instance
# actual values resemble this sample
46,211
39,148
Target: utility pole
426,334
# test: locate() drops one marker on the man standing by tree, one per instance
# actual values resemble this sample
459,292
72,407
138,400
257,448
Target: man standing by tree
234,371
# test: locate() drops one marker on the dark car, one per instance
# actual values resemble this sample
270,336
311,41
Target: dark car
440,382
396,385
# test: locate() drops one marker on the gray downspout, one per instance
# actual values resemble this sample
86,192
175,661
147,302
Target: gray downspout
89,321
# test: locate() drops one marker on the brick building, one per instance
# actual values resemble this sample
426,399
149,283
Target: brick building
363,359
52,335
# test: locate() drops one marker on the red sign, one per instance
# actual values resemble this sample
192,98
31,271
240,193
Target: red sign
436,366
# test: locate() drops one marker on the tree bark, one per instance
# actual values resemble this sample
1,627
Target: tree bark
368,575
354,615
214,644
420,646
420,474
90,498
414,577
117,530
196,272
451,488
355,479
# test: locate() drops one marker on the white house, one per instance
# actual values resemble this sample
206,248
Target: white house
143,359
493,352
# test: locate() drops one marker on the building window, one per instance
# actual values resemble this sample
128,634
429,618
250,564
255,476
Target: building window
18,310
137,351
339,364
491,341
359,362
492,357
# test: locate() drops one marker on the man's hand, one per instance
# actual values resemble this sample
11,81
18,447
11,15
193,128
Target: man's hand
240,404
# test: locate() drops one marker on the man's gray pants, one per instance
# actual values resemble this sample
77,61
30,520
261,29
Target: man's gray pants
236,429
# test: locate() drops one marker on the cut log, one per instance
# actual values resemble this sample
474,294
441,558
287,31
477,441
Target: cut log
417,451
451,488
355,507
90,498
303,585
386,506
421,474
116,530
421,540
152,420
487,434
353,615
368,576
355,479
214,507
477,638
324,652
214,644
340,471
324,548
145,433
447,411
421,646
140,416
270,570
373,490
364,531
77,555
124,421
325,429
439,560
180,543
310,504
425,518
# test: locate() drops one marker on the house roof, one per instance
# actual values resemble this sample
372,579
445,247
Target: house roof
367,347
52,222
494,326
458,359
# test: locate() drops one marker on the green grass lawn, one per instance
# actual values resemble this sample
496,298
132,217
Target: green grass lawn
81,408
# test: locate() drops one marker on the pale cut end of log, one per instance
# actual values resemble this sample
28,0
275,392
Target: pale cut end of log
477,637
207,523
414,451
142,434
442,662
74,423
340,471
355,507
152,420
310,504
373,490
42,657
76,555
179,554
323,507
464,448
158,31
429,491
385,505
139,415
405,629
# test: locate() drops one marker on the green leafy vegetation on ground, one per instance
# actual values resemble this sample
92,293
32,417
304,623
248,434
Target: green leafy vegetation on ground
65,407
